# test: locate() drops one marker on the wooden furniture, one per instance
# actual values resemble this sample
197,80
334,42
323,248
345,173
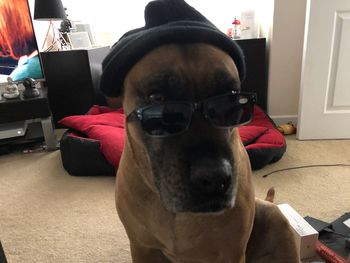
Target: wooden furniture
72,78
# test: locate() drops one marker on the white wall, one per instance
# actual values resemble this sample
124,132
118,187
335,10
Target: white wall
285,58
115,17
110,19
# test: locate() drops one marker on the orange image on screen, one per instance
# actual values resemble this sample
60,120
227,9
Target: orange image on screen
16,31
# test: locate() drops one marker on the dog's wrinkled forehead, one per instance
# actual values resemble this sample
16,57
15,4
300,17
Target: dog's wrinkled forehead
166,22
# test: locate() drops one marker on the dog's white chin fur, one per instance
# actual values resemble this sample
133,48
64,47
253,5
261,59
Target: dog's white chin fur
234,194
231,204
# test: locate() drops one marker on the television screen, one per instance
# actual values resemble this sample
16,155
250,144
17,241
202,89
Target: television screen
19,54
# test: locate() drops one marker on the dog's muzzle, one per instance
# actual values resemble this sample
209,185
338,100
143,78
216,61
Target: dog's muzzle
211,184
209,179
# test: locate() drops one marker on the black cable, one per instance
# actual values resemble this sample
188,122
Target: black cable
306,166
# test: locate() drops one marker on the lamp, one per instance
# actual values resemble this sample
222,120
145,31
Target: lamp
50,10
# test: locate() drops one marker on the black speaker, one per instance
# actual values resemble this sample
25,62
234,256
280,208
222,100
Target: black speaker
256,76
72,78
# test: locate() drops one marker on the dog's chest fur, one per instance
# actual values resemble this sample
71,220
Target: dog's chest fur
214,238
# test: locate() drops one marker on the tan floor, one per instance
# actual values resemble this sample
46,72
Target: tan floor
47,215
320,192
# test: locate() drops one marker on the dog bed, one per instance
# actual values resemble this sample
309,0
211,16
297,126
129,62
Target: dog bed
263,142
94,142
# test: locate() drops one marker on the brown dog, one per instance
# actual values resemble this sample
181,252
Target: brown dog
190,198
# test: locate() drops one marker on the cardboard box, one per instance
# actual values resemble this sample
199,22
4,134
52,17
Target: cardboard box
305,235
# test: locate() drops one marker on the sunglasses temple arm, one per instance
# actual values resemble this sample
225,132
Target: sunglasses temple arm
132,117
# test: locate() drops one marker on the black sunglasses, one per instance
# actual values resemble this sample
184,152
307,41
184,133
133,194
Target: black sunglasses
174,117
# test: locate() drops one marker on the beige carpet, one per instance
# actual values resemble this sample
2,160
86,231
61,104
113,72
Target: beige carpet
46,215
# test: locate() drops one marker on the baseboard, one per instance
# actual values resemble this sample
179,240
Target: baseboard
282,119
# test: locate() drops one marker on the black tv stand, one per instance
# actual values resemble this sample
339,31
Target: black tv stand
30,110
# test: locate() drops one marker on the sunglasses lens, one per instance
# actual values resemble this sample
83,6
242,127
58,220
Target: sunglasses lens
230,110
166,119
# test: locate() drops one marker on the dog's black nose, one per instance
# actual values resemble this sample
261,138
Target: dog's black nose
210,177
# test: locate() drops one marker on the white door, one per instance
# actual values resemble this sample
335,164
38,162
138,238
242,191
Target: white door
324,109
